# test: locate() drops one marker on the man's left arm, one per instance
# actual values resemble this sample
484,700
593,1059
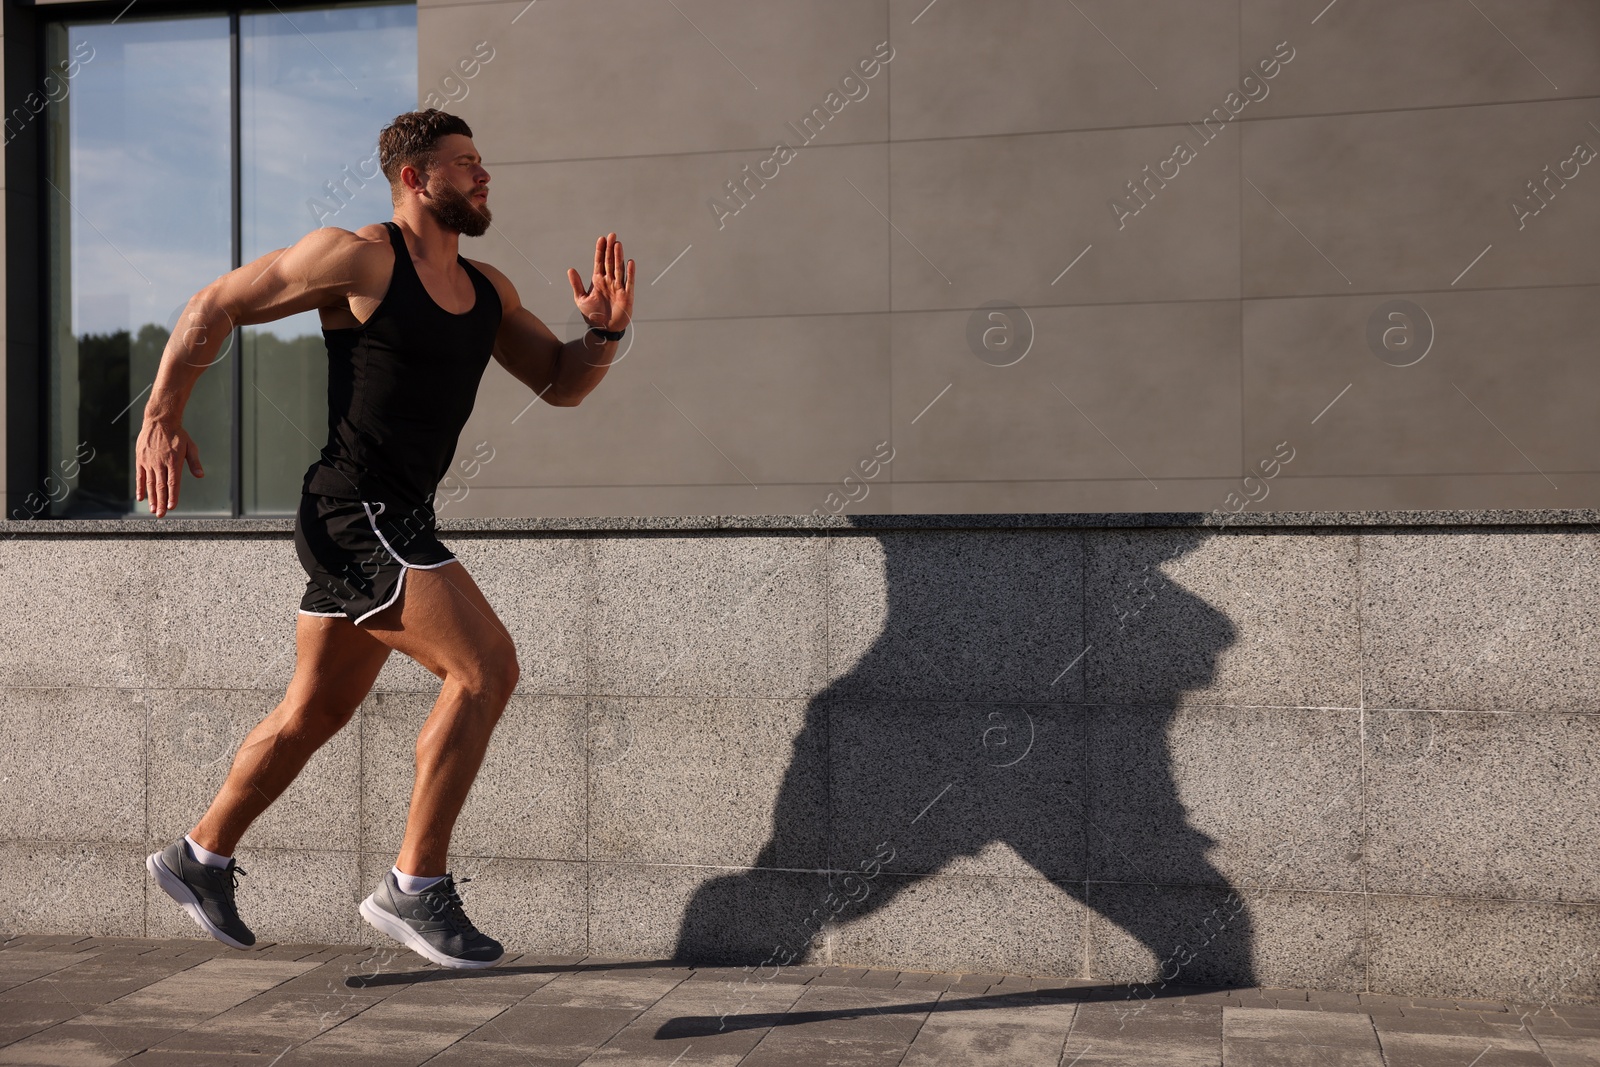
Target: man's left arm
564,373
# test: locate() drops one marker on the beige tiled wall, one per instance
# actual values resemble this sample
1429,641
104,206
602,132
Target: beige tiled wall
1172,349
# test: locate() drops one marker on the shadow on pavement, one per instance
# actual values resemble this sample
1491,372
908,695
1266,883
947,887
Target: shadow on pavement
707,1025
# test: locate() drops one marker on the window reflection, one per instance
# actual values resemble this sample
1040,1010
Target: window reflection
315,89
140,216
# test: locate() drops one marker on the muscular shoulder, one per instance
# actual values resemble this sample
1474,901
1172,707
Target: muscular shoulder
369,247
334,241
341,261
502,285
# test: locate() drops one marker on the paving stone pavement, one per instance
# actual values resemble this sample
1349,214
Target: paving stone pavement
71,1001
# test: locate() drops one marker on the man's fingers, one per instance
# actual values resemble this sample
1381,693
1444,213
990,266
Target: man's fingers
577,282
157,488
193,457
174,476
600,255
138,480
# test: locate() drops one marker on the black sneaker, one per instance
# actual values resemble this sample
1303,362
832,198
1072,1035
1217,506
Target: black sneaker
431,923
206,893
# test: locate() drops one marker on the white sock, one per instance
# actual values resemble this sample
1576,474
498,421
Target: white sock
412,884
205,856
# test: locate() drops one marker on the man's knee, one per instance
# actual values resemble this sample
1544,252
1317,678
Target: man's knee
319,713
493,678
508,674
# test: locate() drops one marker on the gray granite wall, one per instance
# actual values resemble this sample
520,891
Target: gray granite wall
1324,750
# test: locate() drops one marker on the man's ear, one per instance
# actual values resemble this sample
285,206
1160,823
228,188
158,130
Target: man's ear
416,180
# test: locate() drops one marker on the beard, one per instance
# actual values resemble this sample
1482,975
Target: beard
455,211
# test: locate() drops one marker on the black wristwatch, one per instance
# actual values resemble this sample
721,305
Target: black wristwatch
610,335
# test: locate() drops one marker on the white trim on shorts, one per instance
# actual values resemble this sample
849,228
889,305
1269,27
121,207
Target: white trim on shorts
372,520
398,585
404,566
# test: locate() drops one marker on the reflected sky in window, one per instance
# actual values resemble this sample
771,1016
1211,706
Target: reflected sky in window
149,150
148,170
315,89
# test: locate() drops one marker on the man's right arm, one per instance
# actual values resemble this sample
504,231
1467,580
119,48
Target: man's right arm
323,268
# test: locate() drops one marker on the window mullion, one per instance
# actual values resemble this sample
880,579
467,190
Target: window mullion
237,180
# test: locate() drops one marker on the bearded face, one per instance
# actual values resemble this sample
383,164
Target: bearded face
456,211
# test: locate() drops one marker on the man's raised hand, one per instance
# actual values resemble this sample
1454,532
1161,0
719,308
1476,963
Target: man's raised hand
608,303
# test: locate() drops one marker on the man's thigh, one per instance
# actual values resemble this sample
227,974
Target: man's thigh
443,621
336,661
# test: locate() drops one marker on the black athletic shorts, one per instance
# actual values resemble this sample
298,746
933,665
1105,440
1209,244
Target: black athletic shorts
356,553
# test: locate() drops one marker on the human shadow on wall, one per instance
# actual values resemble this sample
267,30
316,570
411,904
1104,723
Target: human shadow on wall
960,728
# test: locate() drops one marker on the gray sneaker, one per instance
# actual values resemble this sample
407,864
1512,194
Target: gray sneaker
205,893
431,923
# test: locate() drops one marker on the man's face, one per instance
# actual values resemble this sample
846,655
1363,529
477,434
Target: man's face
458,187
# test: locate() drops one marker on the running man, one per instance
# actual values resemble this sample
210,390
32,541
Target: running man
410,326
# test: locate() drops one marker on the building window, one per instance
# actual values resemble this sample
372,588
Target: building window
185,147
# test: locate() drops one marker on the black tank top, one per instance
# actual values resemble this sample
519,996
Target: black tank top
400,388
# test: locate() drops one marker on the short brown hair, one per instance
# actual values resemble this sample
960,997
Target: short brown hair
410,140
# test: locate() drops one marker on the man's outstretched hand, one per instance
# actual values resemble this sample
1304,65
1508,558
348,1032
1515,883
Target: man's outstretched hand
609,301
159,458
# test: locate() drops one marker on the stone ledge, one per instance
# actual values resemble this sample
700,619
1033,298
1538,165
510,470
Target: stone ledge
150,527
